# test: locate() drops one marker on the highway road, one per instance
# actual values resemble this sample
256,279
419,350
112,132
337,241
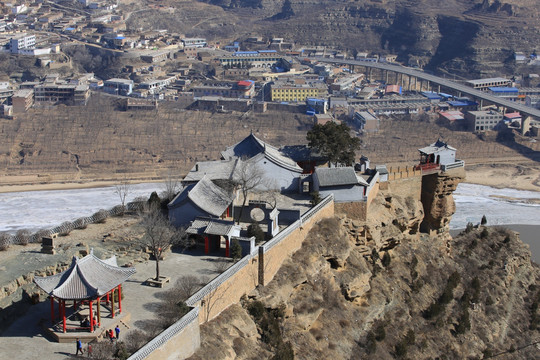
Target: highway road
523,109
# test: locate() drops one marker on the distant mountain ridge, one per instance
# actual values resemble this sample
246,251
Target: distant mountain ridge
466,38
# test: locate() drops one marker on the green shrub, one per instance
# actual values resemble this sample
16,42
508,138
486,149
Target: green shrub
154,202
236,249
371,343
475,285
464,322
284,352
315,198
417,285
386,259
255,230
380,332
439,305
484,220
484,234
256,309
400,349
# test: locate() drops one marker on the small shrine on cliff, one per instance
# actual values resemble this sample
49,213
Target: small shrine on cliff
436,155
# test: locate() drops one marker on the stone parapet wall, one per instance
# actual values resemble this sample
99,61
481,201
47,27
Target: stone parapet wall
402,172
179,341
182,339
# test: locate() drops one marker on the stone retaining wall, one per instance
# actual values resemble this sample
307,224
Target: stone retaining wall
182,339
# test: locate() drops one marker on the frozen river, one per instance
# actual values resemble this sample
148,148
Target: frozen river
501,206
36,210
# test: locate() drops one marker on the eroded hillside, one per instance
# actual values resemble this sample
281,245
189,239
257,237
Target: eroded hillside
469,38
417,298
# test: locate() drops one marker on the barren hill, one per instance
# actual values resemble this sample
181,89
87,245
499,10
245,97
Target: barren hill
469,38
99,142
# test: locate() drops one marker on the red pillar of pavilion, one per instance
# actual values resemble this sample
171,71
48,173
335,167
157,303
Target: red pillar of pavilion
52,310
206,245
120,298
63,306
91,316
227,247
112,303
98,312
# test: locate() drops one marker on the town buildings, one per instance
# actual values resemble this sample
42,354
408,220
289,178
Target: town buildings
483,120
295,91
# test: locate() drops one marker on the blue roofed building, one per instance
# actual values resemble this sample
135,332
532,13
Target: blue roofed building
510,93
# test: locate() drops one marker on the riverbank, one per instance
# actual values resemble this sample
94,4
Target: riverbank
525,176
529,234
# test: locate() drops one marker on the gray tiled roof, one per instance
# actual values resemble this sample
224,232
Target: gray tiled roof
218,228
197,226
201,226
252,146
436,147
214,170
86,278
210,197
338,176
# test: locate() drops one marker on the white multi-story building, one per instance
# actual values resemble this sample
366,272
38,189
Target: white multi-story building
22,42
483,120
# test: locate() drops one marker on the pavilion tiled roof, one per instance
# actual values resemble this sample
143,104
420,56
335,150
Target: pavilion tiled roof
86,278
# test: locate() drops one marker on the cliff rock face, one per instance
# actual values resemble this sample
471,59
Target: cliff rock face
343,296
437,199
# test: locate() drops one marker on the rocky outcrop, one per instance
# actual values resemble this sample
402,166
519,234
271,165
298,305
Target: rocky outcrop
340,301
437,199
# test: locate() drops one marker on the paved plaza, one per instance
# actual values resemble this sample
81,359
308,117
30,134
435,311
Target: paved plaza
24,339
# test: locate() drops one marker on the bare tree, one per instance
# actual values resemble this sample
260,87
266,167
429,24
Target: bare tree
159,235
171,186
248,176
123,189
271,197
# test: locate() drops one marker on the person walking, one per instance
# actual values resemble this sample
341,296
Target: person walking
111,336
117,331
79,347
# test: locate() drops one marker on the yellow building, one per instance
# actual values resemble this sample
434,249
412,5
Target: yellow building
294,93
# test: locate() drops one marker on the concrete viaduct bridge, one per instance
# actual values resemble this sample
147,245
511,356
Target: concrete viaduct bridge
431,80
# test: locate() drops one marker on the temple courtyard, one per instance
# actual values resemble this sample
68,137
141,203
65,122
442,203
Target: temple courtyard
25,338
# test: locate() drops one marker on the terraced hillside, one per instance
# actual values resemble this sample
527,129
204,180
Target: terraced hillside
468,38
